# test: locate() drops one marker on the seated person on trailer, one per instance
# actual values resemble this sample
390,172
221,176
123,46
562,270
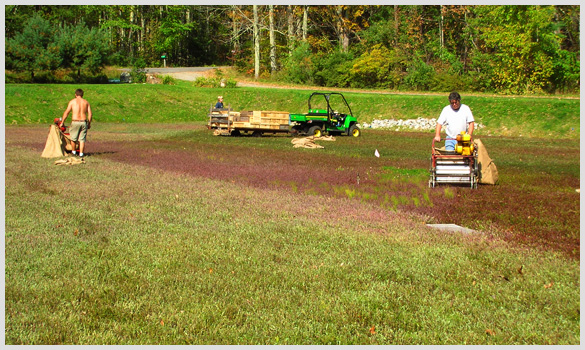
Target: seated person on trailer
219,103
455,117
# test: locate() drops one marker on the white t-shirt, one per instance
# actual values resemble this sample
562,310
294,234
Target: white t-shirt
455,122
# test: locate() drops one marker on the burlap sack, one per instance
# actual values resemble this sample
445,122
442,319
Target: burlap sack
309,142
56,145
488,173
70,161
305,142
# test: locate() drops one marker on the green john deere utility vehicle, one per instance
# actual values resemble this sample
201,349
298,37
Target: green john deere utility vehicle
324,117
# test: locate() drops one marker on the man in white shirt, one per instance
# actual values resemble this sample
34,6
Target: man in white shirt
455,117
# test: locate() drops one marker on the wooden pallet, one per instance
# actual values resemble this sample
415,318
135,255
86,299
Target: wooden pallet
271,120
219,118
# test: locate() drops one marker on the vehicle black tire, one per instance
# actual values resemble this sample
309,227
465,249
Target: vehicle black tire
354,131
315,131
236,133
257,133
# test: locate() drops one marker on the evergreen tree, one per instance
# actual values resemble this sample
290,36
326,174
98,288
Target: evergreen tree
83,48
34,48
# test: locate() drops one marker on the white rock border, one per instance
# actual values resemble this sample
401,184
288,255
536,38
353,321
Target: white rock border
421,124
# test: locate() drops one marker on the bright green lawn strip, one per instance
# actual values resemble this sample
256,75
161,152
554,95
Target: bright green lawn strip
183,102
160,258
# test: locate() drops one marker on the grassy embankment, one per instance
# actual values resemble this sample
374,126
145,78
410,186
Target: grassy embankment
154,257
502,116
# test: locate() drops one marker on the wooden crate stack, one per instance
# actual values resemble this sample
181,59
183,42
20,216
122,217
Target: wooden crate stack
271,120
219,118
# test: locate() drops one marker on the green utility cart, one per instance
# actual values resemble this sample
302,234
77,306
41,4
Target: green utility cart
328,113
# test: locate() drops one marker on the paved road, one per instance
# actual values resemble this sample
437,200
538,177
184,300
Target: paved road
182,73
169,70
181,70
192,73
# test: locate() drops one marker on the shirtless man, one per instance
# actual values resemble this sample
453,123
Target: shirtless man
80,121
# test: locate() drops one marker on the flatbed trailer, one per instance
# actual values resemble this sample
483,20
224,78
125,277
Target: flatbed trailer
323,117
225,121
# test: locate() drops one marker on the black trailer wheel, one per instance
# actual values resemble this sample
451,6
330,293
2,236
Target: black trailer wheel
257,133
295,130
236,133
354,131
315,131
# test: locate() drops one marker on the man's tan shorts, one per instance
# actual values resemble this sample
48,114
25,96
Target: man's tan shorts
78,130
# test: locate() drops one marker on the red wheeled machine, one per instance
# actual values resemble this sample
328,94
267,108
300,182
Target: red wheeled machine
66,138
57,121
455,167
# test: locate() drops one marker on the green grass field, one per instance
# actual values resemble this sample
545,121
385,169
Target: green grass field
552,117
150,242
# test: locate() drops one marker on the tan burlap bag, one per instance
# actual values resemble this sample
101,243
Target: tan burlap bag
309,142
56,145
305,142
488,172
70,161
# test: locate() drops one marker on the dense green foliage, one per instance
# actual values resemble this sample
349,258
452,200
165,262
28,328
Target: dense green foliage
34,48
83,48
43,46
503,49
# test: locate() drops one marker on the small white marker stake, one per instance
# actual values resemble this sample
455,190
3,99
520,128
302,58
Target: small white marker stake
377,154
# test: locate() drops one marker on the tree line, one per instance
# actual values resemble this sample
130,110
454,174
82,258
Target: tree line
502,49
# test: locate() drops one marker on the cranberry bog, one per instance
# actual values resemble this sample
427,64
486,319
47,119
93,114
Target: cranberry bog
535,203
170,235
